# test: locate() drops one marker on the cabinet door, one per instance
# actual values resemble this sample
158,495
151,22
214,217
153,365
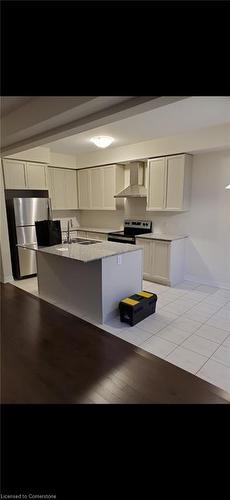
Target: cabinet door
102,236
97,188
96,236
175,182
109,187
59,198
14,174
82,234
156,184
148,255
36,176
71,196
84,189
92,235
161,260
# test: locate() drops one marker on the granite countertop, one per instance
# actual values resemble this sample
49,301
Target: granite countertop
164,237
94,229
85,253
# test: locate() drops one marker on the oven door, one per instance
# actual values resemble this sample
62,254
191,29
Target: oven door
121,239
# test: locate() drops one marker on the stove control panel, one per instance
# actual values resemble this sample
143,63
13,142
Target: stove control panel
139,224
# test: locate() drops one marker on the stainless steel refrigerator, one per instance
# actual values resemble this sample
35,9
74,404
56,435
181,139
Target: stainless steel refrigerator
26,212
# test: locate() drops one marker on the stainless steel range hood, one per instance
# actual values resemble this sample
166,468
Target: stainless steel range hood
137,188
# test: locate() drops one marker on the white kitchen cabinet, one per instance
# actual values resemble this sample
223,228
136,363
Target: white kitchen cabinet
96,188
179,176
163,261
98,185
169,183
14,174
156,184
24,175
84,189
62,184
148,255
36,176
110,177
82,234
96,236
71,192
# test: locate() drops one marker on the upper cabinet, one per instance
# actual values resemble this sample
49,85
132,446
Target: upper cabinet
14,174
97,187
157,184
24,175
36,176
62,184
84,188
169,183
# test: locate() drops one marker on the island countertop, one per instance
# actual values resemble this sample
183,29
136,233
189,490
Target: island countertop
85,253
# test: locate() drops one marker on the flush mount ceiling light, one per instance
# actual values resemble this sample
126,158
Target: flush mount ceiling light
102,141
228,187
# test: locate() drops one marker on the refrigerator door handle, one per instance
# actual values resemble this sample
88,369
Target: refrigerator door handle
50,212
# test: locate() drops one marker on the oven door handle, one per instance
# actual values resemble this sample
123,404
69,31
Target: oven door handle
120,239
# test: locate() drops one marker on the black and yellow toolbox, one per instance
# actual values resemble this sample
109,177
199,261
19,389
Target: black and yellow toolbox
137,307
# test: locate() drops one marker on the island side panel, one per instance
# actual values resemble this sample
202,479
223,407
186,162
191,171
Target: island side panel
71,285
121,277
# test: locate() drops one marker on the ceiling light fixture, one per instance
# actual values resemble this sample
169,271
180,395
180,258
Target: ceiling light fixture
228,187
102,141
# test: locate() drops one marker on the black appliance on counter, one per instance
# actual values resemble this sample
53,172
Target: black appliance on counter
132,228
48,232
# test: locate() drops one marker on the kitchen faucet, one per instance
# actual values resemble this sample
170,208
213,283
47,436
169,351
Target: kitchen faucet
69,240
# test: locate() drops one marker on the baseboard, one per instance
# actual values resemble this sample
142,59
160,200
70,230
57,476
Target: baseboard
7,279
218,284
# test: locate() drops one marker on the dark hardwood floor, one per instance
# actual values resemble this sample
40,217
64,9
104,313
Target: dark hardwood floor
50,356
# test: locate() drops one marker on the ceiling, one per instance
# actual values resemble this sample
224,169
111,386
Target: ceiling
186,115
33,121
11,103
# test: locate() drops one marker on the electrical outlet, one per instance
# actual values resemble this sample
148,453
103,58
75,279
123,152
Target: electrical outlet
119,259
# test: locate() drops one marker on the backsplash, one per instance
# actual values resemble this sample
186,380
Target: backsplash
136,209
65,215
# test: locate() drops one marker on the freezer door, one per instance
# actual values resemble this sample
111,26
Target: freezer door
28,210
27,258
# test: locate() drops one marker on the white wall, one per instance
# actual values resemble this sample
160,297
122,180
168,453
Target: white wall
5,260
205,139
44,155
207,223
62,160
36,154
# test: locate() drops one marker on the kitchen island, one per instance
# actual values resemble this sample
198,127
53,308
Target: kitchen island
88,280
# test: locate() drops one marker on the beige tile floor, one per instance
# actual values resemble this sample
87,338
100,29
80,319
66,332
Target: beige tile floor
191,328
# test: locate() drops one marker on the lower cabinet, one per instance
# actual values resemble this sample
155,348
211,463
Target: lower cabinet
96,236
163,261
81,234
92,235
